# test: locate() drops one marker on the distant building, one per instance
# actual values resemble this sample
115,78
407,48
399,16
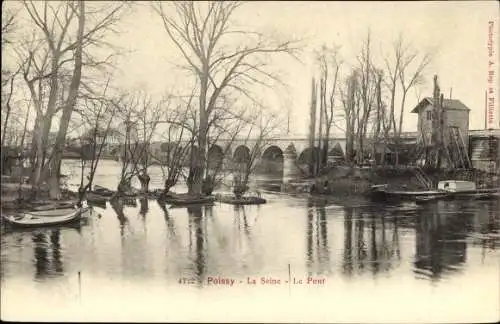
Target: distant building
455,114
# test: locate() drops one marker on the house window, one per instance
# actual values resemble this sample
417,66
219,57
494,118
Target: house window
429,115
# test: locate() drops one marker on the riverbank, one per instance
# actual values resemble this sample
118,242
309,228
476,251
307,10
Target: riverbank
346,181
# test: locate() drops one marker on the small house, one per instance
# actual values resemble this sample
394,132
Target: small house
455,114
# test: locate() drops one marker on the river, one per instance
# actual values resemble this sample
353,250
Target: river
292,259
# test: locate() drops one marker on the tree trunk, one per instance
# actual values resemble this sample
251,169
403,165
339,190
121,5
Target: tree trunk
144,179
70,103
208,186
349,149
195,178
198,165
38,157
7,114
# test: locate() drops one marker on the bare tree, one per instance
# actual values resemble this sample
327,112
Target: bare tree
380,118
348,95
9,25
405,71
366,96
177,141
7,93
140,118
52,60
227,123
202,32
329,64
259,135
98,114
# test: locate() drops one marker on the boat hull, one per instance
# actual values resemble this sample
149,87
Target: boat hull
39,219
480,194
383,194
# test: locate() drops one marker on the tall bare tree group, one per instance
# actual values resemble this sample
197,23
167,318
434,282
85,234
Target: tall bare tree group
59,61
366,99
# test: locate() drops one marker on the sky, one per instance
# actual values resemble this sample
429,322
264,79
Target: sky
456,33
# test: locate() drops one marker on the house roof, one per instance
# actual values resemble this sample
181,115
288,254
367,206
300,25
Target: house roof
453,104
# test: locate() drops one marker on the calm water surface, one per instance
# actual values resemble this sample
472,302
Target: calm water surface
438,261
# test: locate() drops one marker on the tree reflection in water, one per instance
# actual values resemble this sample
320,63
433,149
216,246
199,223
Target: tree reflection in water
195,215
323,247
347,260
309,237
117,205
441,239
242,221
171,232
47,254
144,206
317,248
486,226
374,253
41,255
55,239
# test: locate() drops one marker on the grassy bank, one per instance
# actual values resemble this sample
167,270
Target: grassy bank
347,181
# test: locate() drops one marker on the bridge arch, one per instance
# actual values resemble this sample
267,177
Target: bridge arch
241,154
215,157
308,155
272,159
273,152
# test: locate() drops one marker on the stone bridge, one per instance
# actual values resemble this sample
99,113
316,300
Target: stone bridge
290,152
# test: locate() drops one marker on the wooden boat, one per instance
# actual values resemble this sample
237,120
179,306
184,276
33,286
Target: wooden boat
91,196
102,191
230,199
185,200
424,199
383,193
480,194
97,200
46,217
448,189
55,206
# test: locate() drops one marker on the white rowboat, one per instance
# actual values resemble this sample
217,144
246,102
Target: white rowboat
46,217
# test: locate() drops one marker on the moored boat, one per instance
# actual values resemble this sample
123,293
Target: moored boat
384,193
425,199
245,200
185,200
46,217
480,194
102,191
448,189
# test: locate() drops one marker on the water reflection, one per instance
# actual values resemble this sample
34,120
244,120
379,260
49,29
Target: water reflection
347,260
240,215
487,226
428,241
441,239
144,203
55,239
195,215
371,241
47,254
317,248
169,221
117,206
